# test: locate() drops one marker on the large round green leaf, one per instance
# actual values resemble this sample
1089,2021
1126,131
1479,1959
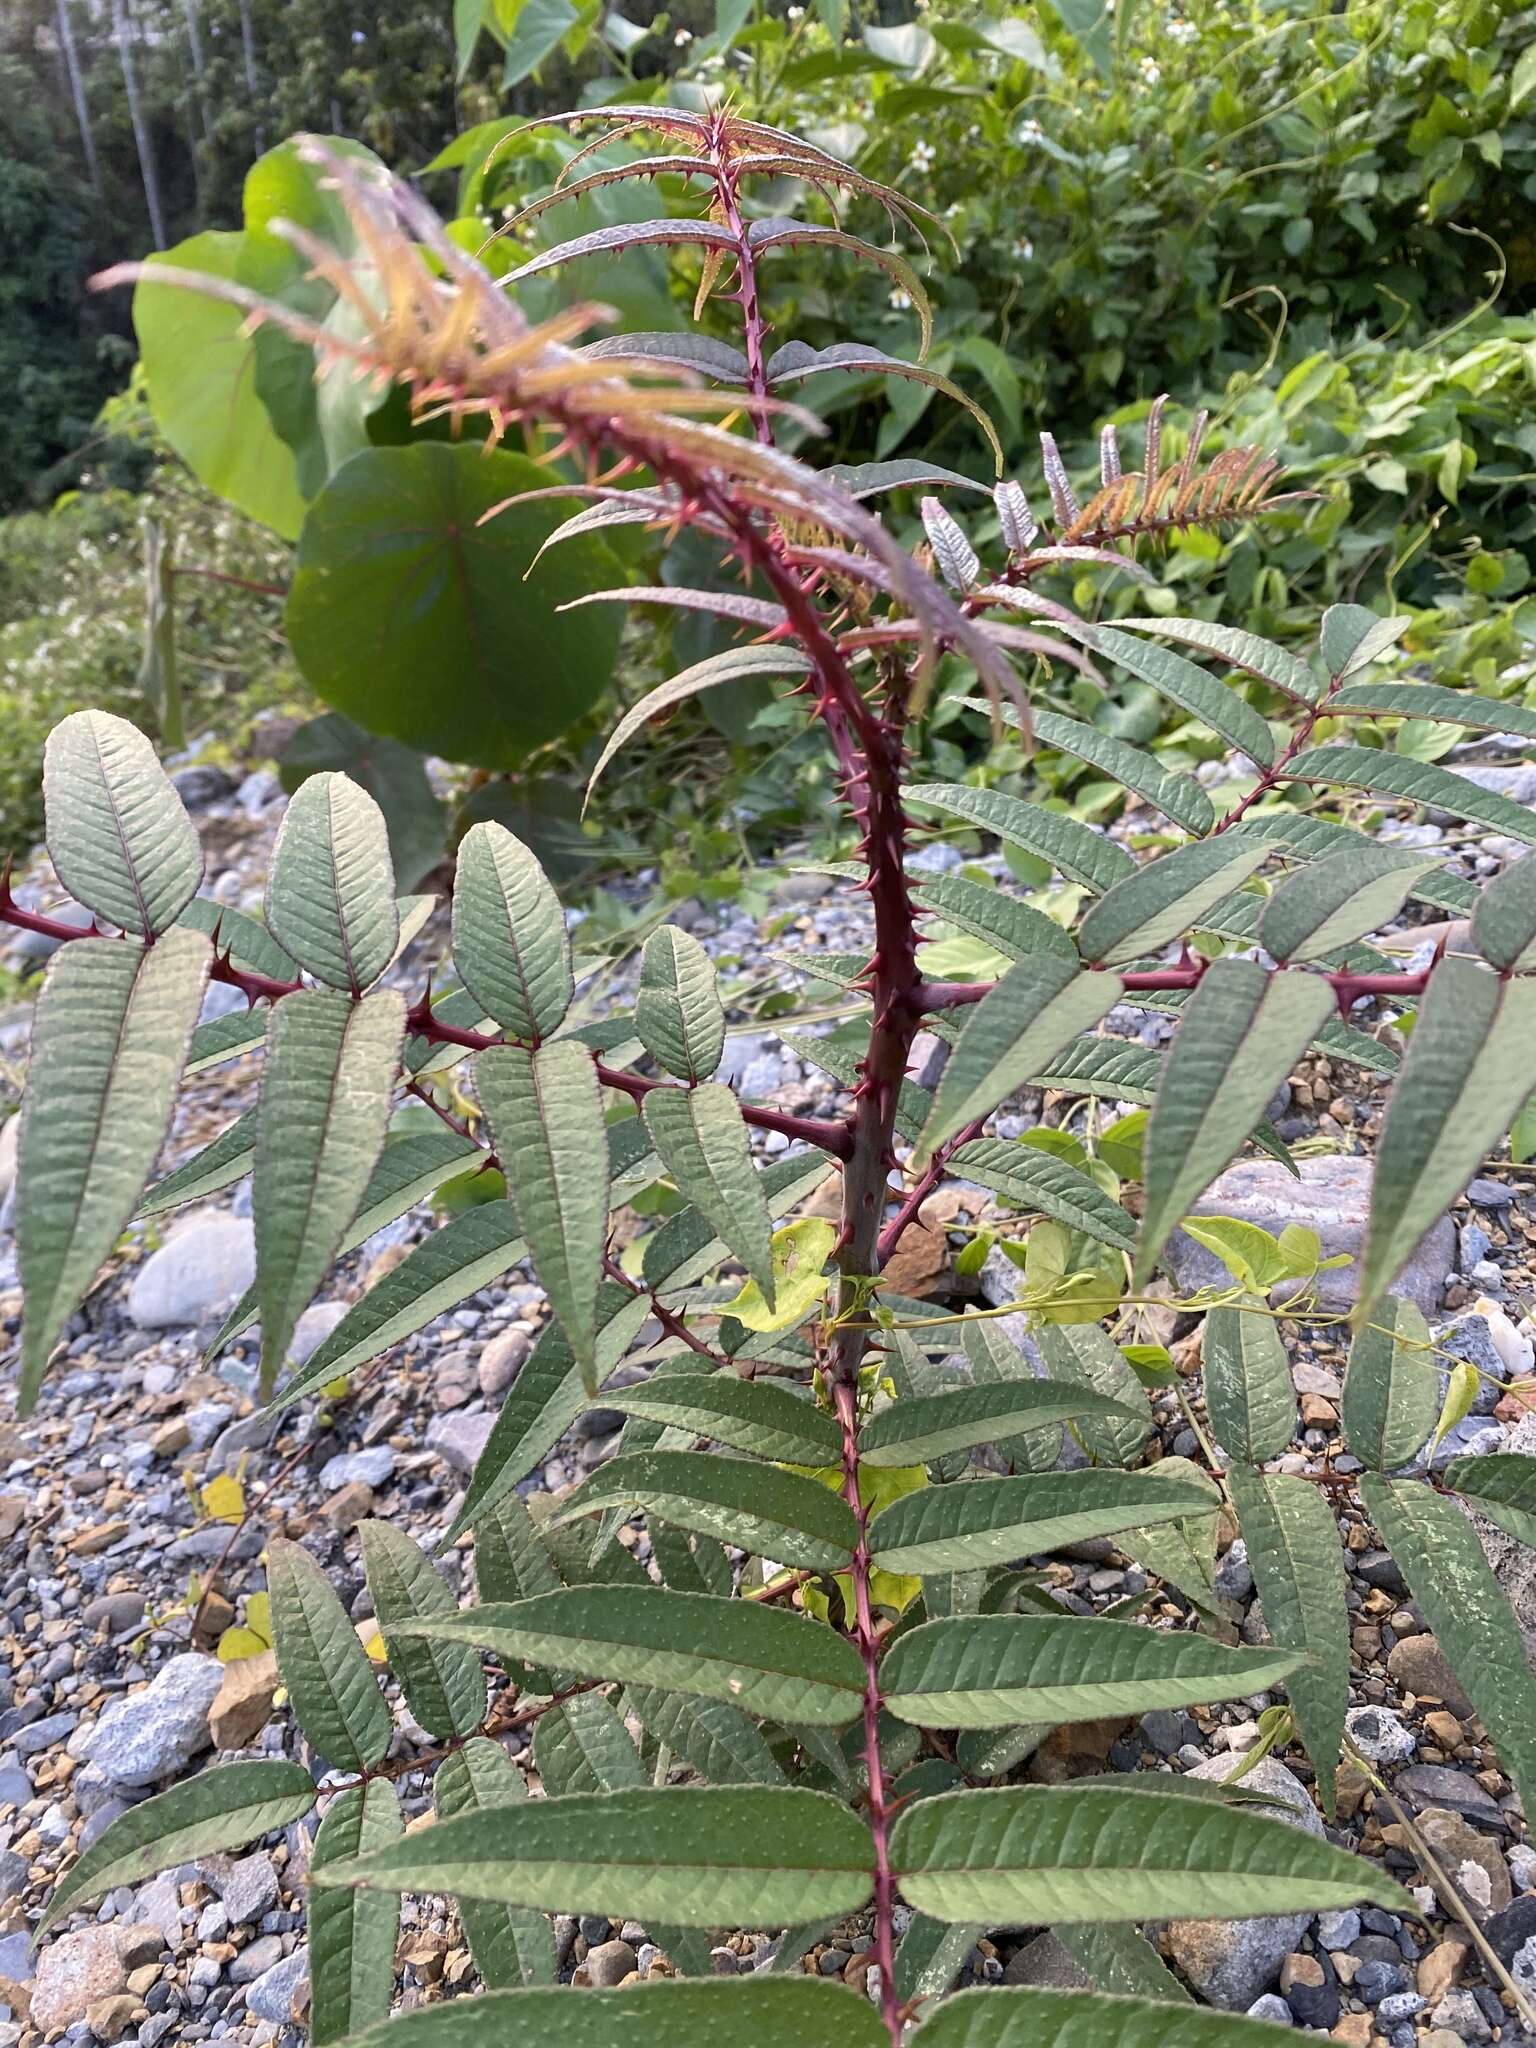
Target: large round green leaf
417,621
200,370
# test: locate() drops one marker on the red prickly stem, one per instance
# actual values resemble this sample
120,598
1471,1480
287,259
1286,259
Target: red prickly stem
867,1642
754,329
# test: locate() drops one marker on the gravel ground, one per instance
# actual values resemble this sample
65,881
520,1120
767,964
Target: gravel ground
106,1691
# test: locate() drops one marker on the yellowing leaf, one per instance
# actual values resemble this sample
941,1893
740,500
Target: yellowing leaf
258,1616
1459,1396
223,1499
236,1643
800,1250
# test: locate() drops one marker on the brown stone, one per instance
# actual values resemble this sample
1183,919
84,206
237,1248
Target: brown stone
383,1265
244,1703
1354,2030
1317,1412
1301,1969
1474,1863
170,1437
100,1536
143,1979
75,1973
1350,1790
110,2018
1443,1728
352,1504
1441,1969
1518,1400
921,1260
1420,1666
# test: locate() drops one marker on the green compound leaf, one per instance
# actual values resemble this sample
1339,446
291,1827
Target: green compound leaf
512,1946
1502,1487
1084,1355
109,1036
583,1746
1307,838
721,1743
686,1246
1165,899
996,1670
352,1935
1298,1566
470,1251
511,1560
326,1093
409,1169
1248,1390
510,943
1081,854
331,889
1016,1029
1030,1179
1417,782
766,664
1504,919
1177,796
755,2012
765,1661
1467,1071
1239,1036
923,1427
225,1038
1352,638
760,1416
930,1954
226,1159
1447,1573
335,1693
244,938
1434,702
1032,1854
1117,1958
1392,1388
1340,899
1186,685
545,1111
549,1393
995,1521
678,1012
736,1500
703,1143
218,1810
1026,2018
1261,658
999,921
443,1684
118,835
727,1855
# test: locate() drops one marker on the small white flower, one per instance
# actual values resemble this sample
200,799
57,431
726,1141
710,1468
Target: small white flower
924,155
901,300
797,14
1030,132
1151,70
682,39
1024,249
1182,31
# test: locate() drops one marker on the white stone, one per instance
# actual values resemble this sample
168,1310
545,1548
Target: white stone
1231,1963
200,1272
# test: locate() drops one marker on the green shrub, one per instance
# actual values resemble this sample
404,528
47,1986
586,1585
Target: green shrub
848,1492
